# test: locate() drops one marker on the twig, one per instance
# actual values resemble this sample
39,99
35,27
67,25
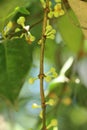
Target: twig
33,25
41,75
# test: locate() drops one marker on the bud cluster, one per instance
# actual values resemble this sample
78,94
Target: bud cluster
28,36
51,74
56,10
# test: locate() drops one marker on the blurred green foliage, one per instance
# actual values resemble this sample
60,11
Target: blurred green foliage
20,60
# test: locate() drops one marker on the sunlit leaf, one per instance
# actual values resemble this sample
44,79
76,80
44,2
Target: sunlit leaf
67,65
61,77
57,82
80,9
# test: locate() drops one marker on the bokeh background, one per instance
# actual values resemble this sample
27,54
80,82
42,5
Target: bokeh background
67,53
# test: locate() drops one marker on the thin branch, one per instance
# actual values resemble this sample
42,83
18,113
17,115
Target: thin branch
41,75
33,25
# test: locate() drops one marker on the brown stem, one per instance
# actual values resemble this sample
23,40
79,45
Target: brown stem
41,75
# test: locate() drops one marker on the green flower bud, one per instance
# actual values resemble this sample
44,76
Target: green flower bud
21,21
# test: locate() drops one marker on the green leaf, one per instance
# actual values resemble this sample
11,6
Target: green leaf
7,9
23,10
15,62
70,32
85,46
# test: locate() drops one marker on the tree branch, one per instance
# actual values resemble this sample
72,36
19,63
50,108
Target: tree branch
41,75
